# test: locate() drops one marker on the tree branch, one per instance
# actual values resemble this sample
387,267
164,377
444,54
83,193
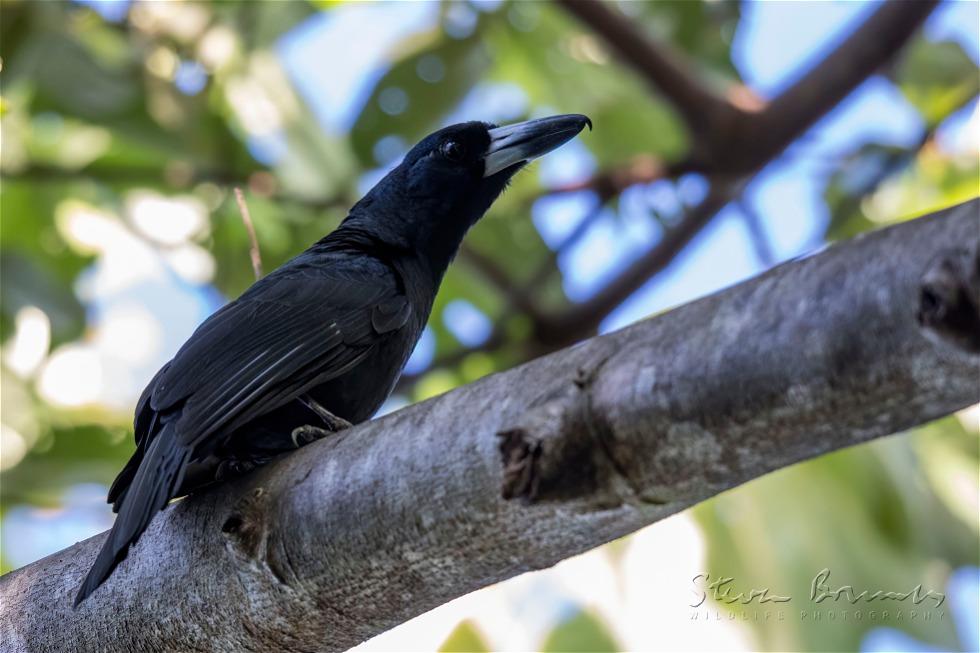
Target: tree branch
359,532
733,140
761,244
863,53
549,267
641,169
748,141
254,254
581,320
516,294
670,74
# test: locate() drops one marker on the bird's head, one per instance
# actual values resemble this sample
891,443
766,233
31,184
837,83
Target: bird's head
451,177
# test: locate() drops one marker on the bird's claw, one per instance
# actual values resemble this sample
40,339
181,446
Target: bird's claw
303,435
308,433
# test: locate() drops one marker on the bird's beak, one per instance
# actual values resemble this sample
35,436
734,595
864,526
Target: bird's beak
526,141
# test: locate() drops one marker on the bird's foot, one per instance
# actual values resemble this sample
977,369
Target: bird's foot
303,435
331,422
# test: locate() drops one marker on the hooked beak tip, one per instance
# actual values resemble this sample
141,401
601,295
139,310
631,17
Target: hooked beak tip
525,141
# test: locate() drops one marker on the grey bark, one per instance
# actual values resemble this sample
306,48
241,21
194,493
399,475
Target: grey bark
357,533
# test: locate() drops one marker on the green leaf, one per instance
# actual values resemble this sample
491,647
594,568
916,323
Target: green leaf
703,30
274,19
63,457
562,66
36,265
29,282
860,173
584,632
937,77
435,383
453,67
465,638
325,4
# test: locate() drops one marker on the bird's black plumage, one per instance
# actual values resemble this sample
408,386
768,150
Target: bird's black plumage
332,327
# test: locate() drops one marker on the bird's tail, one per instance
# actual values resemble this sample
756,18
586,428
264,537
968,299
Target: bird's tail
152,487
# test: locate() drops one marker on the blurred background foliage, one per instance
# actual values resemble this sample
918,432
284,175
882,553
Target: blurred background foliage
125,126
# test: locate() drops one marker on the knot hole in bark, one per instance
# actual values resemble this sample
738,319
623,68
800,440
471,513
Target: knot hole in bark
243,525
949,298
247,528
232,524
556,453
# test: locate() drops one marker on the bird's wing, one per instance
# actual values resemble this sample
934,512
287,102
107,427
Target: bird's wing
272,344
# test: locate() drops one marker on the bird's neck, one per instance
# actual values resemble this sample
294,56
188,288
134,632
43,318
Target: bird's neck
428,248
439,245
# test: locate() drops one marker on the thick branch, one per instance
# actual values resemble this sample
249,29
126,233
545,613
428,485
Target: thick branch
359,532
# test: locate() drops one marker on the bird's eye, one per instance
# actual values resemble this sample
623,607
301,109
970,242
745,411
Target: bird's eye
452,151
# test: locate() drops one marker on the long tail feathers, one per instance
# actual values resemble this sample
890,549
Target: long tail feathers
152,487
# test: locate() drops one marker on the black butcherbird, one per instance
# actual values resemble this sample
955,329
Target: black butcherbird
318,343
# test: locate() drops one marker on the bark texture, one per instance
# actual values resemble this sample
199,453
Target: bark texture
357,533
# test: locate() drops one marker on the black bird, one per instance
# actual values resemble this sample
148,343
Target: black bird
319,343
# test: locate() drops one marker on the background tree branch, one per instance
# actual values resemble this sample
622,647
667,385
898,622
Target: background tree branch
703,109
863,53
731,143
359,532
581,320
734,140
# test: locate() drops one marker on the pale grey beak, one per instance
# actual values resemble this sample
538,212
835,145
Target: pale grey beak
525,141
